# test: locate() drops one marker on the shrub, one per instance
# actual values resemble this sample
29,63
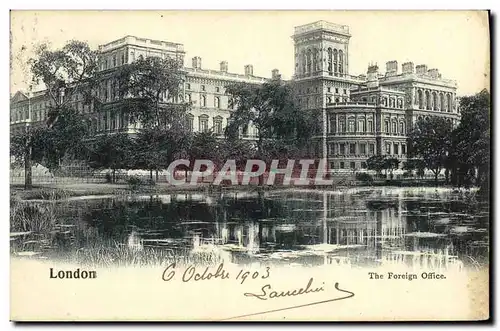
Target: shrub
364,177
134,182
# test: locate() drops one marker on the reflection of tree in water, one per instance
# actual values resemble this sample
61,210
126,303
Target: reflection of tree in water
377,223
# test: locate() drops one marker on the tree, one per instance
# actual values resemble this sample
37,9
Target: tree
376,163
471,139
112,151
415,164
65,73
150,91
430,140
155,149
273,110
391,164
48,146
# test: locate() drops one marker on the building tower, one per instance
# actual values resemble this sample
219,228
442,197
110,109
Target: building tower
322,72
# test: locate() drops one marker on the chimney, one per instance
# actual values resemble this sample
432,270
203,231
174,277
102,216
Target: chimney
391,68
434,73
276,74
249,70
223,66
372,76
408,68
197,62
421,69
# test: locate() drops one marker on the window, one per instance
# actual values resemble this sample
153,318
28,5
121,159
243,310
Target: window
336,90
188,86
342,125
113,121
336,100
396,149
403,149
203,87
370,126
387,127
372,149
203,100
342,149
330,61
316,89
217,89
362,149
345,91
401,128
388,148
361,125
394,128
353,165
114,60
329,89
218,125
203,123
105,120
363,165
217,102
188,98
352,148
341,165
308,90
328,100
189,121
351,126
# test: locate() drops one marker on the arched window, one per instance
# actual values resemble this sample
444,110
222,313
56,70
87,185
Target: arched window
441,97
420,99
387,126
370,125
304,62
203,100
434,101
309,61
428,100
217,102
218,125
203,123
190,121
361,126
335,57
401,128
449,103
341,62
342,125
330,60
400,103
316,60
351,125
394,127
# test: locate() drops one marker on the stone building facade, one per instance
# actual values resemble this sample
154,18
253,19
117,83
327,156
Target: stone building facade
359,116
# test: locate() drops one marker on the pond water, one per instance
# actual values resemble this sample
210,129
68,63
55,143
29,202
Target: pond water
420,227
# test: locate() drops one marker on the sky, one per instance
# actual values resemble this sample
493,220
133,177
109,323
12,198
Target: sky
455,42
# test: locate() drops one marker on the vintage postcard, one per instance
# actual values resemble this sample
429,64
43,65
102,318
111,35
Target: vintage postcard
250,165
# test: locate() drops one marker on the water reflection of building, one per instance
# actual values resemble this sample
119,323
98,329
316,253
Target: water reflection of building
315,228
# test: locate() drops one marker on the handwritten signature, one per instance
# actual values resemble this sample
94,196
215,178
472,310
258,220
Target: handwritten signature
268,293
